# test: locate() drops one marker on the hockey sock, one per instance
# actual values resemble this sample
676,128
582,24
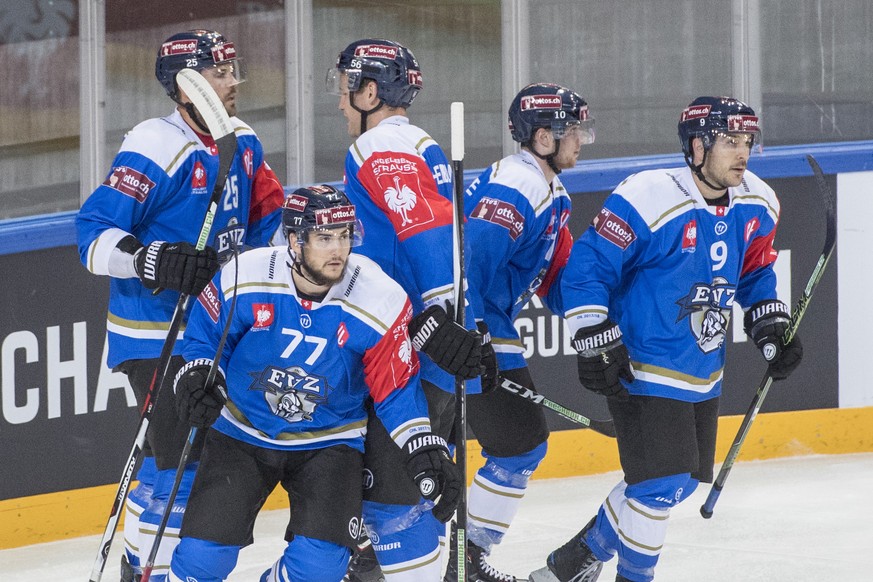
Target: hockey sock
308,560
496,493
151,518
202,560
406,540
136,503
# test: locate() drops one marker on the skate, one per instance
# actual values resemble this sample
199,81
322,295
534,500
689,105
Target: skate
128,574
572,562
478,570
363,567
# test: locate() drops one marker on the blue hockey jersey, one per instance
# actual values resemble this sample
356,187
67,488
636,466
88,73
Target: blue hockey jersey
158,189
668,268
517,230
400,182
298,372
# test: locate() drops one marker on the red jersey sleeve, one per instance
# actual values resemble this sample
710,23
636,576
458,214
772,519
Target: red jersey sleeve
760,253
267,193
390,363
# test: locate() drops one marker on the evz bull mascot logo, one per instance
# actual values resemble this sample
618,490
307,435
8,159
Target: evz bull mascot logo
291,393
708,309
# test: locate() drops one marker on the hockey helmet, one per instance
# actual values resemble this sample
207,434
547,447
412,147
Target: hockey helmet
391,65
552,106
198,50
319,208
706,117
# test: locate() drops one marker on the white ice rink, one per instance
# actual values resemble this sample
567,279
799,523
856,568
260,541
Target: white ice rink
803,519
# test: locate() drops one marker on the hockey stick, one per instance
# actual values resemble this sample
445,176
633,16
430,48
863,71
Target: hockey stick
604,427
213,112
192,434
796,315
457,121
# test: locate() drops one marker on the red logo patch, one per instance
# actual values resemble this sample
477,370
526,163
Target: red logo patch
223,52
335,215
178,47
501,213
342,334
208,298
198,179
263,314
248,162
376,51
529,102
614,229
696,112
130,183
295,203
747,123
689,237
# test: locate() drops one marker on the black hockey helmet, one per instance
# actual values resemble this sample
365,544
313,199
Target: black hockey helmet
548,105
706,117
316,208
198,50
391,65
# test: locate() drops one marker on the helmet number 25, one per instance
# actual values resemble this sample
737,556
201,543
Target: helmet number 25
718,252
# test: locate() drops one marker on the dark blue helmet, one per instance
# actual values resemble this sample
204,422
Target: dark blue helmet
319,207
705,117
194,49
391,65
548,105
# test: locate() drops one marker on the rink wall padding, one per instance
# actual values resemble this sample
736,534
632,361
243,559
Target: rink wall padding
67,422
80,512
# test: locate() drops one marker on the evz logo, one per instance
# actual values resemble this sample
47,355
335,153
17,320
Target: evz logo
708,309
291,393
228,239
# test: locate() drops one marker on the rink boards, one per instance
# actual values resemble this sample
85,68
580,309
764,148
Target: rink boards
67,422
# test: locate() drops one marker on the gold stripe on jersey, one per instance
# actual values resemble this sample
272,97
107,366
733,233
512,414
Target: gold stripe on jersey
295,436
668,373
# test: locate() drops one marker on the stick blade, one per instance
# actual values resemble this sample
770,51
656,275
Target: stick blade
207,102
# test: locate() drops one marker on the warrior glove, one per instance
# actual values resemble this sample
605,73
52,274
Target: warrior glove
489,359
766,323
177,266
430,466
196,403
602,359
456,350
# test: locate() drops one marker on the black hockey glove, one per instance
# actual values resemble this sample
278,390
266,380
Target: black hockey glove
456,350
766,323
430,466
489,359
177,266
602,359
195,404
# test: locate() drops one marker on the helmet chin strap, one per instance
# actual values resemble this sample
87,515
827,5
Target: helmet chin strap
194,115
364,113
297,266
548,158
698,171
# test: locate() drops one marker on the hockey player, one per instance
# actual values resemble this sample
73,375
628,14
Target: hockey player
139,228
648,293
400,181
517,213
315,331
